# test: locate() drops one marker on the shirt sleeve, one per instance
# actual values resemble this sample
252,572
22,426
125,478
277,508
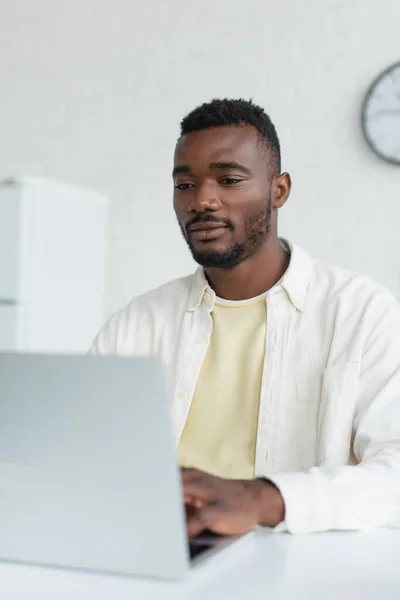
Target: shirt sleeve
366,495
106,341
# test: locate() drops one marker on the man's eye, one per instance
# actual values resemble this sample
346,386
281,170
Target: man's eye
183,186
230,181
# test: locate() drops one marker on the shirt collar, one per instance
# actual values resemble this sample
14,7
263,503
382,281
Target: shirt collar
294,281
297,276
199,288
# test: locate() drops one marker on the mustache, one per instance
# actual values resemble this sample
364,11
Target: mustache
207,219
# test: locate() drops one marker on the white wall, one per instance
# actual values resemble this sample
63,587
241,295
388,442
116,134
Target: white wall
92,92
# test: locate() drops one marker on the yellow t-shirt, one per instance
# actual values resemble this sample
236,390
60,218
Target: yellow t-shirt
221,429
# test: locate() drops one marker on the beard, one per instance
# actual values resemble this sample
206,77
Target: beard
257,228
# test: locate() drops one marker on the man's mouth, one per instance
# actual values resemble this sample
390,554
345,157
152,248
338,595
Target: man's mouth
207,231
205,226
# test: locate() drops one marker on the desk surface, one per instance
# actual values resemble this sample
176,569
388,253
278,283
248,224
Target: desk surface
269,566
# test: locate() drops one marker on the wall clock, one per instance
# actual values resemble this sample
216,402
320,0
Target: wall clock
381,115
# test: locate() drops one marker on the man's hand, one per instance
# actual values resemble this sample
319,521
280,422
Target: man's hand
229,506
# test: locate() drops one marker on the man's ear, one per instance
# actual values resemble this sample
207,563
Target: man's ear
281,186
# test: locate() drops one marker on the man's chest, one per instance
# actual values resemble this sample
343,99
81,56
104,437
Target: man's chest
307,395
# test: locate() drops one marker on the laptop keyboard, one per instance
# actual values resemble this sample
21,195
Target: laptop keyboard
202,543
195,549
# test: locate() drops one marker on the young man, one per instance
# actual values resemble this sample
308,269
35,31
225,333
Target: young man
286,371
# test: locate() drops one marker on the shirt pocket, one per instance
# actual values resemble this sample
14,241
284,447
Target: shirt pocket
325,411
336,415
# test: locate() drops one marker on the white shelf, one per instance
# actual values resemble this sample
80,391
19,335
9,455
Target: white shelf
53,246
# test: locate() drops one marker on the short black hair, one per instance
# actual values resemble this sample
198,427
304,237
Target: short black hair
223,112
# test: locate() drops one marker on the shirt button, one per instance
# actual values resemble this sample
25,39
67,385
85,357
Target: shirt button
207,297
182,395
200,341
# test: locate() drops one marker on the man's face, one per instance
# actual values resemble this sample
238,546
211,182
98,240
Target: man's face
222,194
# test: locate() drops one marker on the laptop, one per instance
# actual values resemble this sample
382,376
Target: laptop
88,470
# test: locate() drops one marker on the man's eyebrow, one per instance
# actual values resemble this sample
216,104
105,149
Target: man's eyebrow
229,165
181,169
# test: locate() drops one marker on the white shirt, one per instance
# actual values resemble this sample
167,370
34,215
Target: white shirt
329,419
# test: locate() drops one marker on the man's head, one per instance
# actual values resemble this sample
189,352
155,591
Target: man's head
227,181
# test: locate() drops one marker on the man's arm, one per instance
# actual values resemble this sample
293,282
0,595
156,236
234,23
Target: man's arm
102,344
111,338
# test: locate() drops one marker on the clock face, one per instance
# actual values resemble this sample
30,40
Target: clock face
381,115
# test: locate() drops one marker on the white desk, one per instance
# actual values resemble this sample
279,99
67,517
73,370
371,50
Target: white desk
340,566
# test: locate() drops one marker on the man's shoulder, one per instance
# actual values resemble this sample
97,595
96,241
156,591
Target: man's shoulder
174,290
344,284
135,327
172,294
327,283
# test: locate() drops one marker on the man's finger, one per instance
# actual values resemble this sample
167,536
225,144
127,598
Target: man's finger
197,491
207,518
191,501
194,523
222,521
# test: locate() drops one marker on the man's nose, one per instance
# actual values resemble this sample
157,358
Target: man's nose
205,198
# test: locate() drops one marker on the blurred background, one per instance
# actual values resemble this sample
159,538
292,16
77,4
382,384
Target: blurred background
92,93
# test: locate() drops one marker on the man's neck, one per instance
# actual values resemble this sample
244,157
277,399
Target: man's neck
252,277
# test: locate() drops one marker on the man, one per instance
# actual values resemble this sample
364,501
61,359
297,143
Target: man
285,370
